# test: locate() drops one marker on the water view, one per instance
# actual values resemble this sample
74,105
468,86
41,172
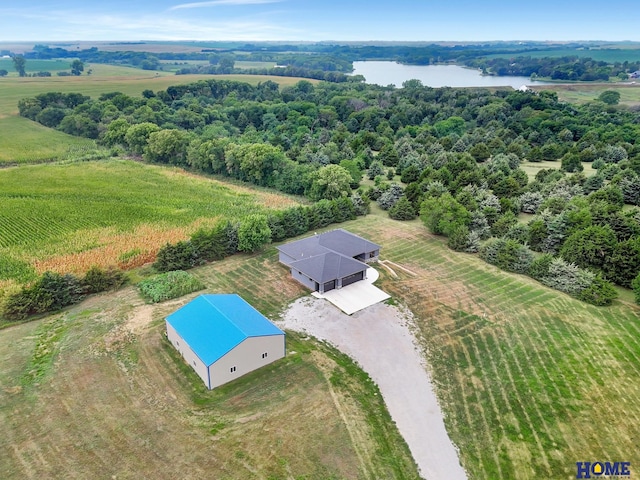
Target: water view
388,73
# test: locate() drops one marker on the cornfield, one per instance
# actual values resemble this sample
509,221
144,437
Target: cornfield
66,218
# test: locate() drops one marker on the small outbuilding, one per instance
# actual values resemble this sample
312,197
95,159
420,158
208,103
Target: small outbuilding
222,337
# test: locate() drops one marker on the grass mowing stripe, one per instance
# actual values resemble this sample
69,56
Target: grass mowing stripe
487,466
488,380
512,359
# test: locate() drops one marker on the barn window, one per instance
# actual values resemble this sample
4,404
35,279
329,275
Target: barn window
264,355
232,369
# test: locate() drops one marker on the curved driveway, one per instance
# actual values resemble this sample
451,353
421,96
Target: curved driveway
379,339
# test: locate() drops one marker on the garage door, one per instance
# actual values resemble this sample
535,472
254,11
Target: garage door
352,278
329,285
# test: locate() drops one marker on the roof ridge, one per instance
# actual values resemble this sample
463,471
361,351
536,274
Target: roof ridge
224,315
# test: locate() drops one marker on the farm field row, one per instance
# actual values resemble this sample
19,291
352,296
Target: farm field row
117,212
531,380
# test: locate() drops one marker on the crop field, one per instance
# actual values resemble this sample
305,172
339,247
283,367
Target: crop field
583,93
247,64
33,66
610,55
67,217
531,380
97,392
24,141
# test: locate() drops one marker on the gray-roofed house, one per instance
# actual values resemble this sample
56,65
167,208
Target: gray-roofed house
330,260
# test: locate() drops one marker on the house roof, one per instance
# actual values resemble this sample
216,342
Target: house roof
336,241
346,243
328,266
212,325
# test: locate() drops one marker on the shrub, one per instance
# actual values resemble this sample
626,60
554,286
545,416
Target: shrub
599,293
567,277
635,285
49,293
99,280
539,268
253,233
402,210
169,285
177,256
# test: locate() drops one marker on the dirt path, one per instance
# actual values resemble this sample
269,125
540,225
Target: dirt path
380,340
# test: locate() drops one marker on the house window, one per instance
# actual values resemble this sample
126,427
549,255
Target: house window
232,369
264,355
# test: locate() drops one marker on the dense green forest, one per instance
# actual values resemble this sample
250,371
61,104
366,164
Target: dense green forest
452,156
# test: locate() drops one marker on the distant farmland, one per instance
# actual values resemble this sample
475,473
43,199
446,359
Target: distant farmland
609,55
25,141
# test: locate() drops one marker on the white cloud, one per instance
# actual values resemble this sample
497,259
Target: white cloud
215,3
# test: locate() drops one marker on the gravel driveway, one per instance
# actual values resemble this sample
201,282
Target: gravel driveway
380,340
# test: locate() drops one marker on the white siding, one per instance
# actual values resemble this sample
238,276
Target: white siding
247,357
189,356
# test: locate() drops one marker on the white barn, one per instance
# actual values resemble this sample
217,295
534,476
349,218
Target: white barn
222,337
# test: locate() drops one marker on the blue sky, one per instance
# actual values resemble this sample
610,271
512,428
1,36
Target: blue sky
314,20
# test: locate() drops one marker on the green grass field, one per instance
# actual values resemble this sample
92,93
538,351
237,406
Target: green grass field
583,93
97,392
34,66
614,54
63,217
531,380
531,168
24,141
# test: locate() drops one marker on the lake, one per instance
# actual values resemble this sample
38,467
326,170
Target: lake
387,73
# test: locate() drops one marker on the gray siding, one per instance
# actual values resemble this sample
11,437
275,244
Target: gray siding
189,356
286,259
247,357
306,281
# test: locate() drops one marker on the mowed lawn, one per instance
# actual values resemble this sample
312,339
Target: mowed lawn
97,392
531,381
114,212
25,141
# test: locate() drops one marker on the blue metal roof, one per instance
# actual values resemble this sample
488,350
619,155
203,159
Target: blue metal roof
212,325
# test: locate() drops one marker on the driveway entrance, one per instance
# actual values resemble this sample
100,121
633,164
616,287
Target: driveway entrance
356,296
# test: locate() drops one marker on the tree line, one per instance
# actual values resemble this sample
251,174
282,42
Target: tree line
457,151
